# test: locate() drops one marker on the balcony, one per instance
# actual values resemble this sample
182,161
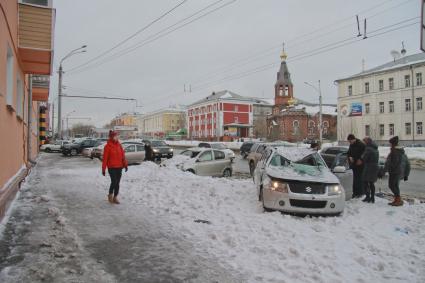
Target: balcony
35,38
40,88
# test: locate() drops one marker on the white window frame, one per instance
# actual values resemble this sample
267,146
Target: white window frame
407,81
419,103
419,128
381,130
391,106
407,105
406,127
391,83
367,108
20,97
10,78
418,79
391,129
381,85
366,87
381,107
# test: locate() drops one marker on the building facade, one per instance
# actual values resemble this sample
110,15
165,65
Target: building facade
26,49
294,120
384,101
159,124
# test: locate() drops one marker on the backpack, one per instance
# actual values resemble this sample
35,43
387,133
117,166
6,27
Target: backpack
405,166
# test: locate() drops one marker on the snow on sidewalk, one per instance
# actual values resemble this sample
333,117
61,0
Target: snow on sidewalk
369,243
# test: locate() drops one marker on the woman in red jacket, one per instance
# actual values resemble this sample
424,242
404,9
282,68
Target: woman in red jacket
114,159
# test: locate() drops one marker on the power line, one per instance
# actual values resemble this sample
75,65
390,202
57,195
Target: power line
131,36
161,33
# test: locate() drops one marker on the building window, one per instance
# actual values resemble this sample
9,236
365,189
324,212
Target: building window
367,108
418,78
350,90
311,124
310,131
366,87
406,81
391,83
237,120
408,105
381,85
381,130
408,128
236,108
9,77
391,129
418,103
367,130
391,105
295,125
20,96
381,107
419,128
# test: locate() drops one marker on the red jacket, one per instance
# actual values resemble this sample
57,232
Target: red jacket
113,156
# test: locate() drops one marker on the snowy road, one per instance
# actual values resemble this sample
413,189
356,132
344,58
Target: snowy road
63,230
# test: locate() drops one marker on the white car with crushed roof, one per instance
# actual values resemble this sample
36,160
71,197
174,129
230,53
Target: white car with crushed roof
297,180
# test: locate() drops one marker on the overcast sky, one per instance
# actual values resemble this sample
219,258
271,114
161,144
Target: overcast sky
222,50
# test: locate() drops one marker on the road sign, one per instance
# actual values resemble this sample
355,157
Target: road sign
423,26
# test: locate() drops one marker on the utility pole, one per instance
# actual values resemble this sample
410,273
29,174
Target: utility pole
60,102
53,119
320,116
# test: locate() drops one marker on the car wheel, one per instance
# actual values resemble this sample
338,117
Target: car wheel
48,150
227,173
74,152
191,171
251,168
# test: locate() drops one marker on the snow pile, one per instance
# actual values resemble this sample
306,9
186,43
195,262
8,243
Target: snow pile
411,152
222,217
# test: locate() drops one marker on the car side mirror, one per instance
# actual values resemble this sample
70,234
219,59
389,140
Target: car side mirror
197,160
339,169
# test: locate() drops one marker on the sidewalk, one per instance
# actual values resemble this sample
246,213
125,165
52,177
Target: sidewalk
62,229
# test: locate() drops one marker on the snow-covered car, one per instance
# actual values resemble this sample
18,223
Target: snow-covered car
297,180
53,147
206,162
220,146
257,150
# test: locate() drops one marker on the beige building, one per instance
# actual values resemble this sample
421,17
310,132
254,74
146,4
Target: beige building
162,122
384,101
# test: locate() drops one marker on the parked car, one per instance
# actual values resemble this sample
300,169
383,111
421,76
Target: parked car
246,148
160,149
206,162
76,148
297,180
328,154
257,151
134,153
220,146
53,147
97,151
87,152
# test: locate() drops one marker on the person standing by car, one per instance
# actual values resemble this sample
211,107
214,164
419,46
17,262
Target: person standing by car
355,152
398,167
149,156
114,160
370,159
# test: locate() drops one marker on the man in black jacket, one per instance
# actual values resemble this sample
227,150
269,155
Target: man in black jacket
355,152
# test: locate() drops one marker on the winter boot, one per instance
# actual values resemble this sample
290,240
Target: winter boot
397,201
372,195
366,199
115,200
110,198
392,203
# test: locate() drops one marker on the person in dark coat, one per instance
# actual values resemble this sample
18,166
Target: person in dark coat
355,152
370,159
398,167
315,146
149,156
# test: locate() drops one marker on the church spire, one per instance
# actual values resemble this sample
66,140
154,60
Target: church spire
283,55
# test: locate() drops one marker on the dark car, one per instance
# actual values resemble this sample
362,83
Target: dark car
329,154
76,148
246,148
160,149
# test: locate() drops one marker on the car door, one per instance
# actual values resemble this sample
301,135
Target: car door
345,178
205,164
140,151
220,162
130,153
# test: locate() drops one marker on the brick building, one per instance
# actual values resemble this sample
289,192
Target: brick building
295,120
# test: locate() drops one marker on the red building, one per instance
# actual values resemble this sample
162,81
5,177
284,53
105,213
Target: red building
295,120
222,115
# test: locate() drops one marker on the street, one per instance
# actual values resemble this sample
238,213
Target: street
178,227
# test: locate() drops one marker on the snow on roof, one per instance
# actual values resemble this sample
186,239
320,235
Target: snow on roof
313,110
294,154
396,64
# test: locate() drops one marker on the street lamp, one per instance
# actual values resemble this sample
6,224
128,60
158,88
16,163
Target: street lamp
319,91
71,53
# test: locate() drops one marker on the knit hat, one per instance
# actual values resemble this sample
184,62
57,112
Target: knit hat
351,137
394,140
112,134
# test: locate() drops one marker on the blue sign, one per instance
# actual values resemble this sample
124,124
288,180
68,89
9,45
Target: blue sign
356,109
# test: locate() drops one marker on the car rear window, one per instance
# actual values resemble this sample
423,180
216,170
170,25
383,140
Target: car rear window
204,145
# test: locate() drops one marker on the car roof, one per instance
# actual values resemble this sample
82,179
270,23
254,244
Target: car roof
293,153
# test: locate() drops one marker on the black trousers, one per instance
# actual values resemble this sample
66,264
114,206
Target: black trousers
394,184
115,174
357,181
370,189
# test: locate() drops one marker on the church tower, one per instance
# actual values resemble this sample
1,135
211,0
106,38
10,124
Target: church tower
284,90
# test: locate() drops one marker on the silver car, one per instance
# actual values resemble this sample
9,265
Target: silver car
297,180
206,162
134,153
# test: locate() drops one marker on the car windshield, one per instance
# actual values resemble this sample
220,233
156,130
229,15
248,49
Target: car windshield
190,153
158,143
308,164
218,146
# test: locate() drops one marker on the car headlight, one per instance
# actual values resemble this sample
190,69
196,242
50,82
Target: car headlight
334,190
155,150
276,186
171,150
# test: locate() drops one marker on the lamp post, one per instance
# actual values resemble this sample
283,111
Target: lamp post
73,52
319,91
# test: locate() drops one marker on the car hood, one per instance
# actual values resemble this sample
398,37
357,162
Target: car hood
298,172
